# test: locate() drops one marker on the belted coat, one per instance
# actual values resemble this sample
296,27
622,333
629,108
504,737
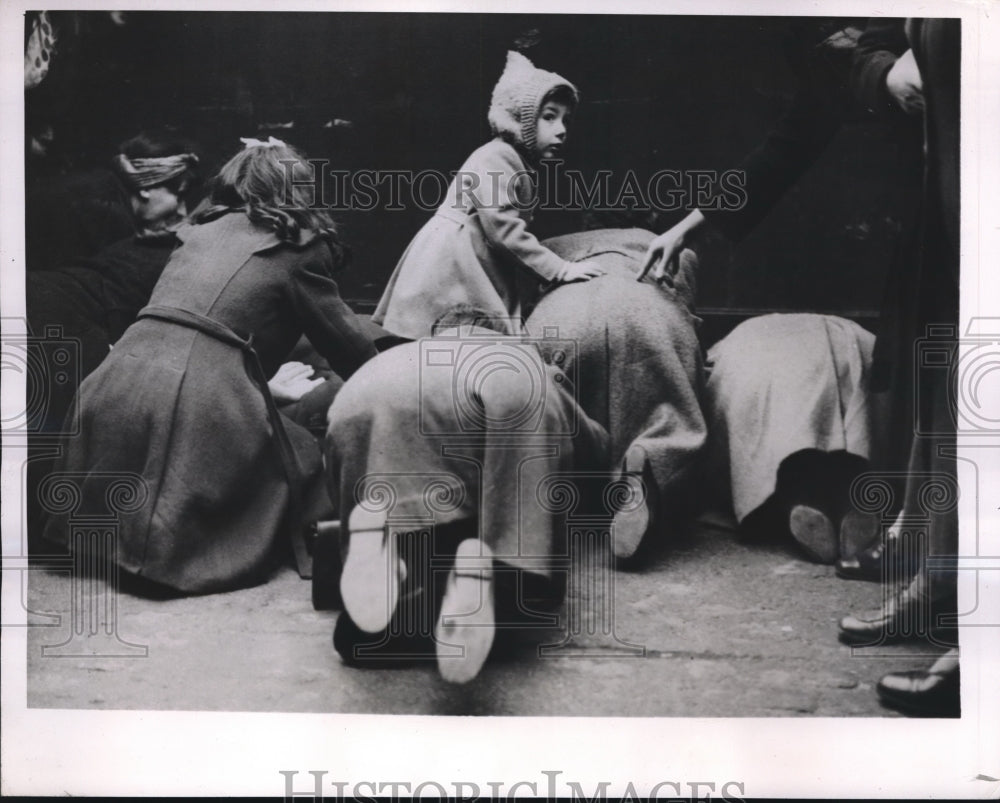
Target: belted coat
476,249
180,408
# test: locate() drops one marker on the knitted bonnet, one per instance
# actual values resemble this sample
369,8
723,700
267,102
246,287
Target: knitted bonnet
517,97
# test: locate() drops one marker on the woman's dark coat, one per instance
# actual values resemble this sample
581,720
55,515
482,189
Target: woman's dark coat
180,408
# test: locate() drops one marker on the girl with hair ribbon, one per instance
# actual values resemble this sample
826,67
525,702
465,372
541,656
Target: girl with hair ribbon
182,401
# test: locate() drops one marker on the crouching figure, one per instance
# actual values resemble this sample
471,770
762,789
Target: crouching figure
438,452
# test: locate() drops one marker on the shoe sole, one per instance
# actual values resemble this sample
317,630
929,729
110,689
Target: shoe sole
631,524
369,583
851,638
858,532
814,533
467,622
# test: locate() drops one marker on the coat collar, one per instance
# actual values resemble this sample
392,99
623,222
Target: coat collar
236,223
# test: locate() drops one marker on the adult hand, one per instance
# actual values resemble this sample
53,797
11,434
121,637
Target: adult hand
904,84
581,272
663,252
292,382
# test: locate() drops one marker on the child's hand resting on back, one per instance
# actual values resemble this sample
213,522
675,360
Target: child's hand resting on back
580,272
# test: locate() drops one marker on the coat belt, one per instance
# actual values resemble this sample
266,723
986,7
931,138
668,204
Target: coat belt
224,334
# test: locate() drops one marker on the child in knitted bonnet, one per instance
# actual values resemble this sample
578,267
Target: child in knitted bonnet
477,248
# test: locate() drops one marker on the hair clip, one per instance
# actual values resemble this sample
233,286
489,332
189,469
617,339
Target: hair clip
250,142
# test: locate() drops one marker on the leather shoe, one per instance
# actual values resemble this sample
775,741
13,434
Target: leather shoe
876,563
866,565
903,617
923,693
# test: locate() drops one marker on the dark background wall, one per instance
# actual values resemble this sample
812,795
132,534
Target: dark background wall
659,92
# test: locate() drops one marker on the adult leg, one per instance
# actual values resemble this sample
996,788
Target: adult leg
528,485
929,512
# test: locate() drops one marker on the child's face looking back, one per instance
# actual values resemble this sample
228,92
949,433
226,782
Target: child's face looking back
551,128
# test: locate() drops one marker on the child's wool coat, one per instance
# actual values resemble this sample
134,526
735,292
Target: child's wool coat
477,248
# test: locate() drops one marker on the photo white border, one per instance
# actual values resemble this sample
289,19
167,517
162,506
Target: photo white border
187,753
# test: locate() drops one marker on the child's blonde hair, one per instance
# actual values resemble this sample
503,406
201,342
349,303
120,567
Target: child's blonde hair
266,181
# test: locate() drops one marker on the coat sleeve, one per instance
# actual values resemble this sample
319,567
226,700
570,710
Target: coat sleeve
881,44
329,324
770,170
797,139
504,190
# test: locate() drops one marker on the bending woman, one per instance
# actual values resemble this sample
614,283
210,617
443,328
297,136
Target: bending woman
182,400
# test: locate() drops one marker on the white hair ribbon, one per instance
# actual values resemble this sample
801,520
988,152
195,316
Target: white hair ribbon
250,142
